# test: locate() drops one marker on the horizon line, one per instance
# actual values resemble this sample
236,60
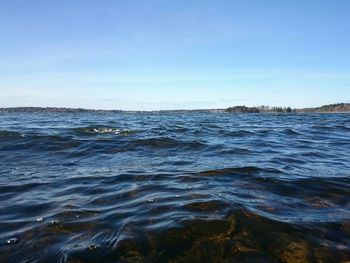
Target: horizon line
166,110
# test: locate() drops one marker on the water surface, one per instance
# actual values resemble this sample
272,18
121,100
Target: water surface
208,187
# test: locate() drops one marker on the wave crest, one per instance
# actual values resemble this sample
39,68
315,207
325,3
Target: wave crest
95,130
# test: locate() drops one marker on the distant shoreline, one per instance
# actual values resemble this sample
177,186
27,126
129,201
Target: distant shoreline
331,108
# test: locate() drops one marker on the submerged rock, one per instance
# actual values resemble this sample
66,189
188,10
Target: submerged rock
296,252
323,255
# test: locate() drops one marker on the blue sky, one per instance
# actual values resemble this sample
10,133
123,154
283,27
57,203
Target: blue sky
171,54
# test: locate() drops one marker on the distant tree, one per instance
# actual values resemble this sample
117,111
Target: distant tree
242,109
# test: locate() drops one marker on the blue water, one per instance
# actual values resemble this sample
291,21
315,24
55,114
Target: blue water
174,187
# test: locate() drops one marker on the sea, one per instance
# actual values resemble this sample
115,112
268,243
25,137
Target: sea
174,187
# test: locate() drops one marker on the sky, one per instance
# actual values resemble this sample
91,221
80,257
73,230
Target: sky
174,54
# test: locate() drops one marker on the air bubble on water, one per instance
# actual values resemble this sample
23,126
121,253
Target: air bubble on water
39,219
54,222
92,247
12,241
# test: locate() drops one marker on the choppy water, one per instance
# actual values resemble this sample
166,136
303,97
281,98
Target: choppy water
174,187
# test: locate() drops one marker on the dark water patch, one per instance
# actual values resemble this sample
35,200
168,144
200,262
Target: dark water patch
10,134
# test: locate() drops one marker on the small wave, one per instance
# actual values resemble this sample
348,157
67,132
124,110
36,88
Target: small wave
167,142
236,170
291,132
93,130
237,133
236,151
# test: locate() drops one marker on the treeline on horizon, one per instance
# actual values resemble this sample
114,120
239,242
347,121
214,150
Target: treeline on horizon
244,109
338,107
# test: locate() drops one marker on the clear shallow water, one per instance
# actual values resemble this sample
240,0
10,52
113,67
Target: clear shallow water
126,187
